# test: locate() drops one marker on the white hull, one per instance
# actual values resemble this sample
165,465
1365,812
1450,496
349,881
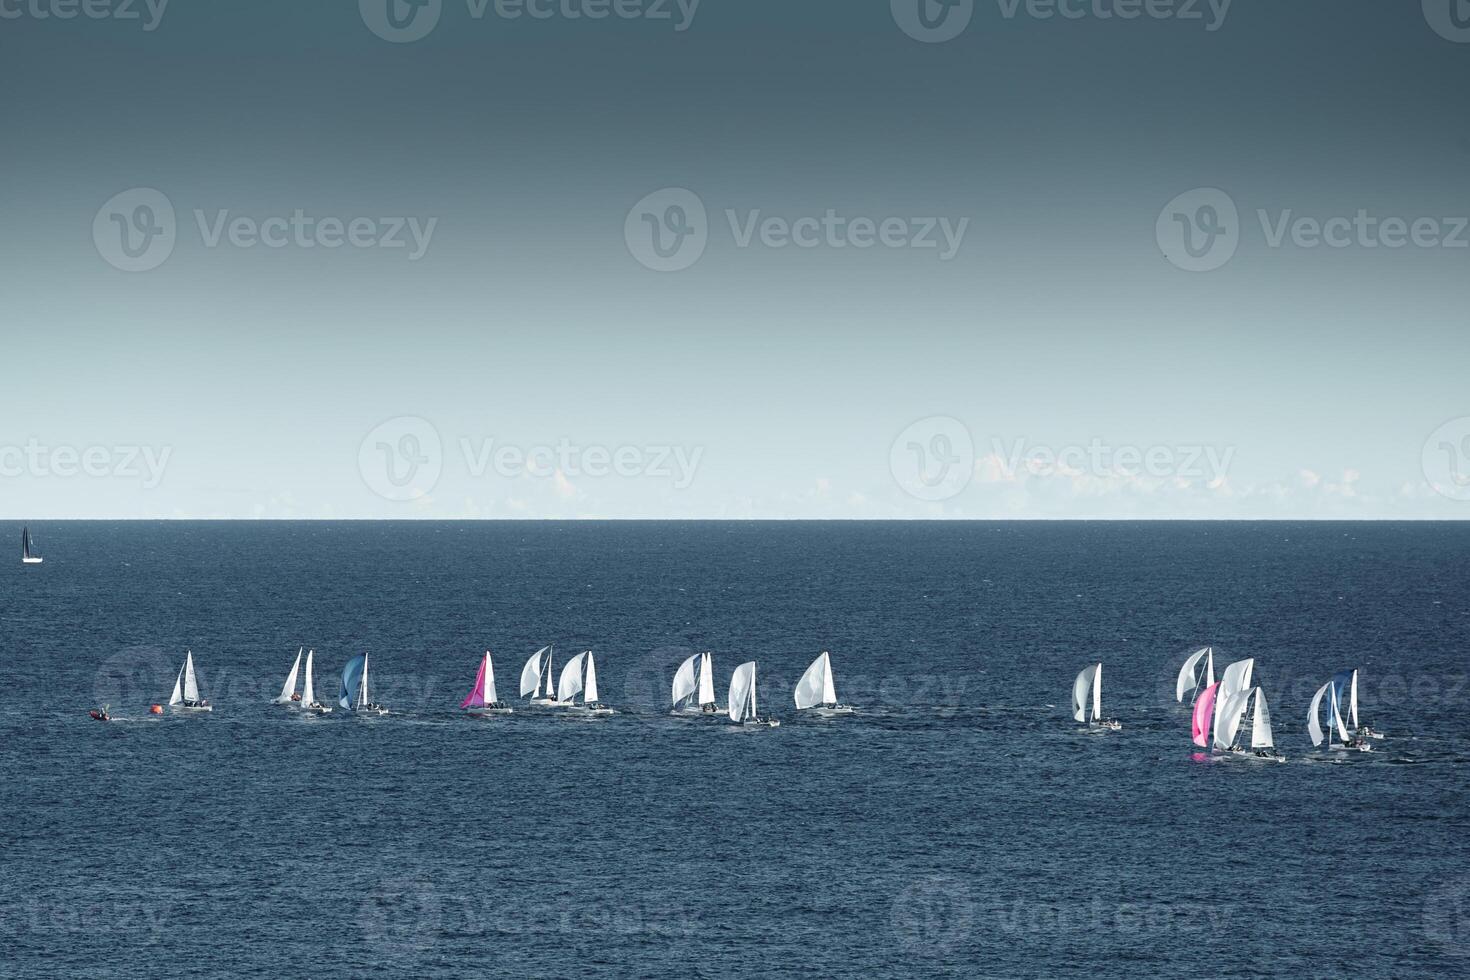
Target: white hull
483,712
834,710
193,707
1111,725
582,711
318,709
31,561
695,711
760,723
547,703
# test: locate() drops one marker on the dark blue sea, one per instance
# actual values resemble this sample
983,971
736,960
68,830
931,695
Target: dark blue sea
959,825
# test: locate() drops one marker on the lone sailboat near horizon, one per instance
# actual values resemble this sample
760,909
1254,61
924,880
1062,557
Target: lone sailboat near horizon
742,699
481,699
185,695
28,554
693,692
817,693
579,676
355,680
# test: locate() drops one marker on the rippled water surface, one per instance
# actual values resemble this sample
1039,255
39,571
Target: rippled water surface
958,824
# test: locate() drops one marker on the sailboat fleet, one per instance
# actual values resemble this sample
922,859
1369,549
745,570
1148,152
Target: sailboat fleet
1228,717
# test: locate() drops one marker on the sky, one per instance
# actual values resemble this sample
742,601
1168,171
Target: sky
735,259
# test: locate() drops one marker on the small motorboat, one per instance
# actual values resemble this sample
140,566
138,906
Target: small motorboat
100,714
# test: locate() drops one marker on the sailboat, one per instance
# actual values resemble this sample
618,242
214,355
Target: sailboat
1090,682
579,676
1203,715
1334,723
288,690
1262,742
186,689
742,699
308,692
1190,679
1235,680
693,692
355,682
816,692
28,554
533,675
1346,682
482,699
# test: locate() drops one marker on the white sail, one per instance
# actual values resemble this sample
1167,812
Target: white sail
707,679
742,692
362,696
1080,687
811,688
177,696
829,689
1314,715
570,684
531,674
1353,701
1336,710
191,684
489,693
1236,679
1210,667
308,693
289,688
1261,724
549,673
1230,719
684,682
590,695
1097,694
1187,679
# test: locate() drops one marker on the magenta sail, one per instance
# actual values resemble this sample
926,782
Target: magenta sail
477,695
1204,710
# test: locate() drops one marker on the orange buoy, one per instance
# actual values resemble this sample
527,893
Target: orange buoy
156,709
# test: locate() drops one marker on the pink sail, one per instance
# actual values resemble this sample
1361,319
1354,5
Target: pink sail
477,695
1204,710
